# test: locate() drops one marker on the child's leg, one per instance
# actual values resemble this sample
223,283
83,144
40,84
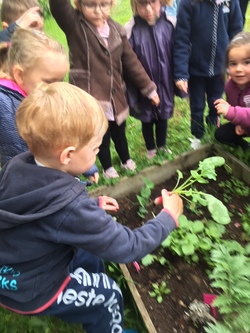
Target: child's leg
104,153
161,132
196,87
118,136
226,134
92,299
215,89
148,134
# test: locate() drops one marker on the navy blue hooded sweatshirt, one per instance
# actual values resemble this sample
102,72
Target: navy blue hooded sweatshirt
45,216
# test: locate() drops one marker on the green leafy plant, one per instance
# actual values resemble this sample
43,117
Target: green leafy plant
202,175
232,187
159,291
246,222
159,257
144,197
231,275
194,237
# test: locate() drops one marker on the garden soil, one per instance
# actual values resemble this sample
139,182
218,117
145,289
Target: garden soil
187,282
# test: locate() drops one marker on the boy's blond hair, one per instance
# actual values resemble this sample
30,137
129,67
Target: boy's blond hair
58,115
11,10
29,48
133,4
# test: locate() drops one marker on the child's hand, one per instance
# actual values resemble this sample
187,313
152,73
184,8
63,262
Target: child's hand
182,85
172,202
222,106
108,203
155,100
94,178
31,19
239,130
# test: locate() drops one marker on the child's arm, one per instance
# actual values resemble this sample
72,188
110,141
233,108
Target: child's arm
64,14
236,114
92,174
30,19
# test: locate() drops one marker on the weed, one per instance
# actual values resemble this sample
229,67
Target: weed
159,291
144,197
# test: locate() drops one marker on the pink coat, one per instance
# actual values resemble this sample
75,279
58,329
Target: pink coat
239,112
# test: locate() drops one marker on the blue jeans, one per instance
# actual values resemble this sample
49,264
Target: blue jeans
90,298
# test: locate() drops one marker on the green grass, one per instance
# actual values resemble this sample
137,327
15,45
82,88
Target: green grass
178,134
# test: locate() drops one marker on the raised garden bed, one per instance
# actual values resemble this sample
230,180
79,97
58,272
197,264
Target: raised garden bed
187,281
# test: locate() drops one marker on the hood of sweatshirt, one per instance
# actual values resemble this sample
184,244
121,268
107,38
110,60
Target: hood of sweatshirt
26,197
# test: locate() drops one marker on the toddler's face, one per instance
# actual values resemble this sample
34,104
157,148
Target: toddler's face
52,69
239,65
149,10
96,12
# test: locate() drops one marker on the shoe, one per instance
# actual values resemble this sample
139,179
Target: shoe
129,165
151,153
165,150
110,173
195,143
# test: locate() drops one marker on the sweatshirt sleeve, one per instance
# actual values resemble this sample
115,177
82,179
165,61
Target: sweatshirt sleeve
182,46
239,116
6,34
91,228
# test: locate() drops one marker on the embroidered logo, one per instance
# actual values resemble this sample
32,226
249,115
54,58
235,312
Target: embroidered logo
246,100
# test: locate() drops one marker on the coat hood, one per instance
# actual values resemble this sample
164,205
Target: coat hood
35,197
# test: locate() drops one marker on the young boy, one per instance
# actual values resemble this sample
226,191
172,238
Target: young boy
53,236
19,13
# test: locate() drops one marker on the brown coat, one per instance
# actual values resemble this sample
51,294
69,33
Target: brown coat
96,68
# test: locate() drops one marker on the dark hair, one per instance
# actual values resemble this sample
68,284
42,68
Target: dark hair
242,38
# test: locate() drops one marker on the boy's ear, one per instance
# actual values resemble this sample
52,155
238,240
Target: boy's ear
4,25
17,71
66,154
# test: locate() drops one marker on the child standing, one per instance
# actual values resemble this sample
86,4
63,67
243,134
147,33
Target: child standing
237,107
66,233
100,56
203,31
32,58
151,37
19,13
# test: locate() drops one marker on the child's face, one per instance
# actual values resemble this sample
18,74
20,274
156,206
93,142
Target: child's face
96,12
83,159
52,69
149,10
239,65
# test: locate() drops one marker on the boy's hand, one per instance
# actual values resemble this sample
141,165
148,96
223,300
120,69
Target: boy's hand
172,202
108,203
222,106
182,85
31,19
155,100
94,178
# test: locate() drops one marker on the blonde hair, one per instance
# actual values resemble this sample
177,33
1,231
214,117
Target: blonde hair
11,10
57,115
133,4
29,48
241,39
